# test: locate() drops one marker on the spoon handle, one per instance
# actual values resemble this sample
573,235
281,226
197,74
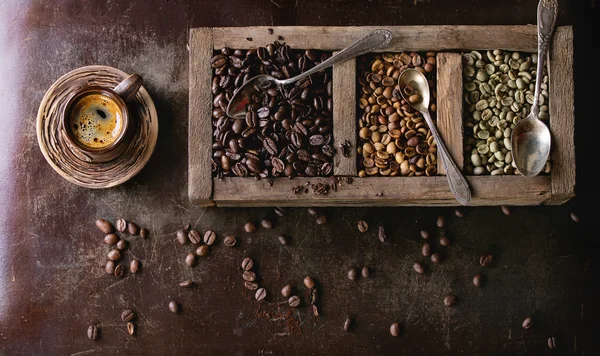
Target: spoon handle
457,182
374,40
546,19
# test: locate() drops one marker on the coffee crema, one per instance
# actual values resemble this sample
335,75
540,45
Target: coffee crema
96,121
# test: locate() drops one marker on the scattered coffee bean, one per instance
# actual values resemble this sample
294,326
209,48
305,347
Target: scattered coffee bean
353,274
105,226
362,226
286,291
282,239
444,241
426,250
315,310
450,300
251,285
381,234
459,213
144,233
248,38
313,211
266,223
478,280
114,255
280,38
210,237
132,228
309,282
552,342
229,241
418,267
270,31
527,323
279,211
119,271
505,209
440,221
190,259
395,329
249,276
186,284
250,227
174,307
203,250
321,220
425,234
134,265
347,324
247,264
130,328
111,239
485,260
365,272
92,332
574,217
110,267
294,301
121,244
121,225
436,257
260,294
194,236
182,237
127,315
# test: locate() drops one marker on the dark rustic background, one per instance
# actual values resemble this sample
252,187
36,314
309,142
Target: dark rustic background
52,284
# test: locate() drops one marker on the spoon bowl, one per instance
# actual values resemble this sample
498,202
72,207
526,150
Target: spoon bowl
531,143
236,109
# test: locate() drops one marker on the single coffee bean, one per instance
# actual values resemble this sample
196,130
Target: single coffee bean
209,237
249,276
418,267
114,255
174,307
347,324
132,228
282,239
321,220
131,328
127,315
381,234
266,223
186,284
440,221
425,234
527,323
260,294
478,280
190,259
111,239
505,210
444,241
552,342
203,250
312,211
485,260
353,274
250,227
92,332
105,226
182,237
194,236
426,250
251,285
286,291
459,213
436,257
279,211
395,329
134,265
144,233
294,301
121,225
229,241
449,300
110,267
574,217
309,282
362,226
247,264
121,244
119,271
365,272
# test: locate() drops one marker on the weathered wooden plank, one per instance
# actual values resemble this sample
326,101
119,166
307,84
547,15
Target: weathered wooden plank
562,115
449,106
344,117
200,107
382,191
405,38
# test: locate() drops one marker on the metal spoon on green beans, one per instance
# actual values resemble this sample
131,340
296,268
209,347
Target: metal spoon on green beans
414,88
530,138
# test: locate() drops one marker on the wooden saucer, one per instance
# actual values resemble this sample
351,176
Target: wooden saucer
52,140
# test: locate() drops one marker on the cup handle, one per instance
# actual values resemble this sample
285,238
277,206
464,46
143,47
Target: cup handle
129,87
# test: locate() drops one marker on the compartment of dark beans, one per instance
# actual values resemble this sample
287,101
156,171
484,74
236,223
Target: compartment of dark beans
287,130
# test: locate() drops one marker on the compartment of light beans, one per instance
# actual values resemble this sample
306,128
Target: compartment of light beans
499,89
393,138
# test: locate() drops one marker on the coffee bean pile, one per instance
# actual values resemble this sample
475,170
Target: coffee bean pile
119,244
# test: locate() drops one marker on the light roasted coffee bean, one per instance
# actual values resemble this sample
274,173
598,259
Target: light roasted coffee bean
174,307
286,291
294,301
247,264
309,282
114,255
121,225
105,226
111,239
209,237
190,259
93,332
134,265
260,294
229,241
203,250
121,244
127,315
362,226
132,228
194,236
182,237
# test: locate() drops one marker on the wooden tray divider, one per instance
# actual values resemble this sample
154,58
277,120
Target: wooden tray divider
344,117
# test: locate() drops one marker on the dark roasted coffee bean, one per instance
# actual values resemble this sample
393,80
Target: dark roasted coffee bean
353,274
552,342
418,267
282,239
114,255
505,210
286,291
121,244
249,227
182,237
210,237
440,221
132,228
194,236
92,332
144,233
250,285
381,234
424,234
485,260
444,241
247,264
127,315
362,226
312,211
110,267
309,282
321,220
527,323
229,241
294,301
459,213
249,276
134,265
316,140
347,324
186,284
174,307
190,259
266,223
105,226
279,211
111,239
260,294
574,217
395,329
131,328
218,61
478,280
121,225
203,250
450,300
365,272
119,271
436,257
426,250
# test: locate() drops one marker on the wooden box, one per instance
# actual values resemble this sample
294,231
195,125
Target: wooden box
555,188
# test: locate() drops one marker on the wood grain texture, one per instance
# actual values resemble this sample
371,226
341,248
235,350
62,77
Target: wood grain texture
562,115
449,106
200,184
405,38
344,117
396,191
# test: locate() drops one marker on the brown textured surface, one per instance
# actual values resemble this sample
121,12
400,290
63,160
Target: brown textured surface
52,285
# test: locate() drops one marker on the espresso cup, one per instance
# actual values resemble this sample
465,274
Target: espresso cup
96,122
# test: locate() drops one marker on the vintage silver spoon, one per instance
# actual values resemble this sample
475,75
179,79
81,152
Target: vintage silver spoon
530,138
411,80
241,98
